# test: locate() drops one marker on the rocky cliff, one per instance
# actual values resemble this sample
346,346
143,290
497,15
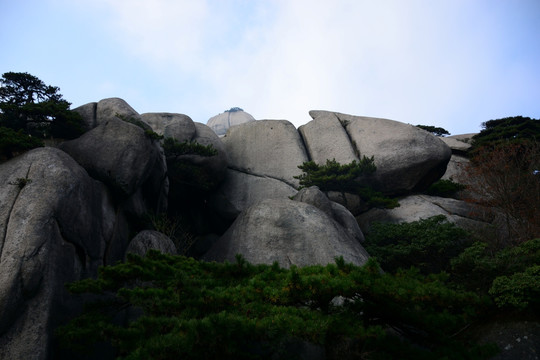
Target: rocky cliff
66,211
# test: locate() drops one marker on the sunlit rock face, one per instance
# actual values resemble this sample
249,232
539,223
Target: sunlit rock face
222,122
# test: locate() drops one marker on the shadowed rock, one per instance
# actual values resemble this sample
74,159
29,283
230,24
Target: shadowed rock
289,232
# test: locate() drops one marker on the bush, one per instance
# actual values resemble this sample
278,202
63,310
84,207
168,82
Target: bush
519,290
174,148
344,178
478,265
14,142
437,131
205,310
427,244
445,188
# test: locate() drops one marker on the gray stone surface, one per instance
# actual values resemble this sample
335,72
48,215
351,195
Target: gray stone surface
240,190
151,240
326,139
456,145
339,213
417,207
352,202
116,108
179,126
222,122
54,230
88,114
271,148
117,153
406,157
289,232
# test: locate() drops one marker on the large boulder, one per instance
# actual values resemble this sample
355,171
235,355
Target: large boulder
407,158
151,240
289,232
338,212
326,139
88,114
179,126
239,191
57,224
468,216
117,153
270,148
116,108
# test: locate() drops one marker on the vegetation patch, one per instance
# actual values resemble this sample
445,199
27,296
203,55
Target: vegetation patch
200,310
334,176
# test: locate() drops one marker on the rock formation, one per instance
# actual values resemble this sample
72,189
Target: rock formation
65,211
289,232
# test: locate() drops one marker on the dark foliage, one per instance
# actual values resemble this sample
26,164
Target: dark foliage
15,142
28,104
334,176
515,129
204,310
437,131
174,148
445,188
427,244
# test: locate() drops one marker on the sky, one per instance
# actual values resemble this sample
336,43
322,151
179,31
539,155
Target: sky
446,63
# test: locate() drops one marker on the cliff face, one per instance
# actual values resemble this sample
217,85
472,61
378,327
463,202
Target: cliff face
65,211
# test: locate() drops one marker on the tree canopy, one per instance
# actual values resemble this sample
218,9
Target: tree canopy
28,104
437,131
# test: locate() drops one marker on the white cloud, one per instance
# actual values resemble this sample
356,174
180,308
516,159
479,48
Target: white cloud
415,61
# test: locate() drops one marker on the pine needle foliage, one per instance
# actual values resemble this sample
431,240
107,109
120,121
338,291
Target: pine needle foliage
200,310
334,176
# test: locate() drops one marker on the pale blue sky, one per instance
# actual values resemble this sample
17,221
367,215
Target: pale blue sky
449,63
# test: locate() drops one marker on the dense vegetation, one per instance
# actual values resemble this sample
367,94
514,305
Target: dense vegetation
505,163
334,176
30,111
197,310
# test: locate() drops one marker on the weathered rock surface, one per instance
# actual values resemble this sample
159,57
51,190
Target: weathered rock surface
116,108
339,213
55,229
289,232
222,122
240,190
416,207
457,146
117,153
407,158
88,114
151,240
326,139
210,170
179,126
270,148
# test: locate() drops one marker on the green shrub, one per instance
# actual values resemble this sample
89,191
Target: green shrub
427,244
205,310
174,148
437,131
334,176
478,265
14,142
445,188
519,290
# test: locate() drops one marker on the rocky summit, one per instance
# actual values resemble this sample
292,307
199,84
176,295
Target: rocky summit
66,210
